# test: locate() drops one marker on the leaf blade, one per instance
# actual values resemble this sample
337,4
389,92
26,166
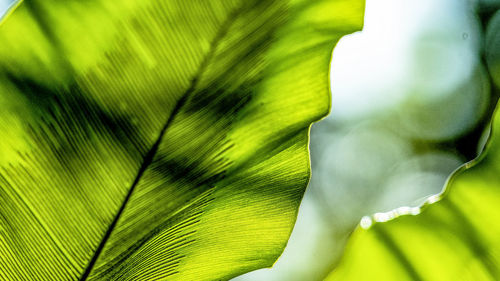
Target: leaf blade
97,91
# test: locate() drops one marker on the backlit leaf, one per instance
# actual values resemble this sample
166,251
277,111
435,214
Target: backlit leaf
143,140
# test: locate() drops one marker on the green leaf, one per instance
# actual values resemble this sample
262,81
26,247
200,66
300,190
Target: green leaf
144,140
457,238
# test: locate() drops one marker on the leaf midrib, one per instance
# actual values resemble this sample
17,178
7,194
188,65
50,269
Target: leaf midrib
148,159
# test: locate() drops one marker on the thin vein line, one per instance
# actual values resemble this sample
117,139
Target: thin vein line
40,222
148,159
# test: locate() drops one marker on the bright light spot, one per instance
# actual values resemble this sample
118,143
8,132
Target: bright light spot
403,210
366,222
383,217
433,199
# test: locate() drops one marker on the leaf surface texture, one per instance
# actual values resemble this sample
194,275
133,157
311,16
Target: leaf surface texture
150,140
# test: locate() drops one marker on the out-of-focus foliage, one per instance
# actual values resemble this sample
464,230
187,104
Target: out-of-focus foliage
410,103
142,140
492,47
454,236
457,238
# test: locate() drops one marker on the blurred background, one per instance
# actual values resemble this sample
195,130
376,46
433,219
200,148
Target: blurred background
4,6
411,103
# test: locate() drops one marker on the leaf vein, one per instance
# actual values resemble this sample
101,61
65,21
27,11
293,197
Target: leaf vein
148,159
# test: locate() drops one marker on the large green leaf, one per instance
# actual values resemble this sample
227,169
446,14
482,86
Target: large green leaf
142,140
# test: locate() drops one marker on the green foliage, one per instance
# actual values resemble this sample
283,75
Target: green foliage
147,140
454,236
457,238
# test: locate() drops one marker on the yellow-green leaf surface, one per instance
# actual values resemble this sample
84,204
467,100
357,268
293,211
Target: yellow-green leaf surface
456,238
147,140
